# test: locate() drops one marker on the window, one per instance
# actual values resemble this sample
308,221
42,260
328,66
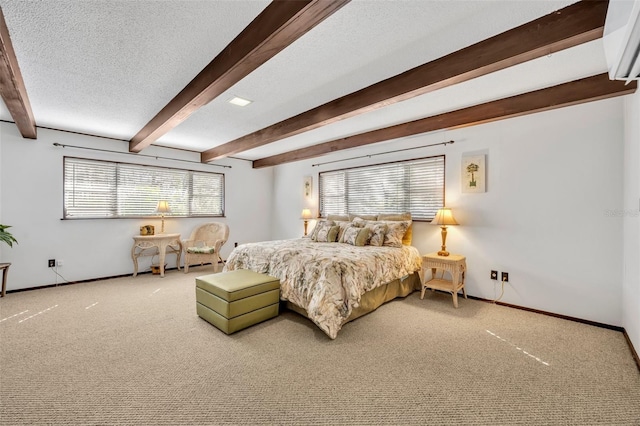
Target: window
104,189
415,186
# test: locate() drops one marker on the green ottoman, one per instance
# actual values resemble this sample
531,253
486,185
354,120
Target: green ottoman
237,299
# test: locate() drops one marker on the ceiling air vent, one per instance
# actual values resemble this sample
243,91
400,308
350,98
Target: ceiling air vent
622,39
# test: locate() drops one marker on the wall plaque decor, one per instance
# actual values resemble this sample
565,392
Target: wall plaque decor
473,173
307,186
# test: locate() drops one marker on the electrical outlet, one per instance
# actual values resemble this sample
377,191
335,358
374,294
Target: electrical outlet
505,277
59,263
52,263
235,244
494,275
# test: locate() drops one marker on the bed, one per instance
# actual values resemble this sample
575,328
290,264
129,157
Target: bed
331,282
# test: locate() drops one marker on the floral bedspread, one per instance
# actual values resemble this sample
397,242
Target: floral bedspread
326,279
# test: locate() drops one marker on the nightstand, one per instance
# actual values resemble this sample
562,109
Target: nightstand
454,264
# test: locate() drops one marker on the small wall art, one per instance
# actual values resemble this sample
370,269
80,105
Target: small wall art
307,186
473,173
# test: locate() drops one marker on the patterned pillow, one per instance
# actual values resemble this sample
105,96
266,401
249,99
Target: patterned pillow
313,232
347,231
359,222
408,236
319,225
343,225
395,232
357,236
378,231
344,231
327,233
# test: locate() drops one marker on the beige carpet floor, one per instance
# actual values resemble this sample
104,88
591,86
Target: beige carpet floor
132,351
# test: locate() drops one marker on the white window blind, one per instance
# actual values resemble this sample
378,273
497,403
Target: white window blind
103,189
415,186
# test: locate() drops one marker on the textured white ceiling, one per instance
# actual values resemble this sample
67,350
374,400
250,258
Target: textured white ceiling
583,61
107,67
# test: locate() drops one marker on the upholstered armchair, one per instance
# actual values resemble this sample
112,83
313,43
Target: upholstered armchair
204,245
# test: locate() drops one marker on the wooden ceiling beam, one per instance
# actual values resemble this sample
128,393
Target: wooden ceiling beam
12,88
281,23
565,28
576,92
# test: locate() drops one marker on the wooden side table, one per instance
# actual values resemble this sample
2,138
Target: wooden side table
454,264
4,267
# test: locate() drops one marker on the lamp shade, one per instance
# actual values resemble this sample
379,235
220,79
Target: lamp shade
306,214
163,207
444,217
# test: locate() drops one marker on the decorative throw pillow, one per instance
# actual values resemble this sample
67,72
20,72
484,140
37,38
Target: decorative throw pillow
338,217
321,230
343,231
314,231
395,232
359,222
332,236
408,236
364,235
350,234
343,225
378,231
357,236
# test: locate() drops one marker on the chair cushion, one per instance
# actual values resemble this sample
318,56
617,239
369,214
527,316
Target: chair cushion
201,250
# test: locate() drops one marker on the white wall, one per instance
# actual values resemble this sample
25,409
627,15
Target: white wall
553,179
631,217
554,185
31,188
1,222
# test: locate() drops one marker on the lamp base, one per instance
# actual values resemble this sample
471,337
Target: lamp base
443,249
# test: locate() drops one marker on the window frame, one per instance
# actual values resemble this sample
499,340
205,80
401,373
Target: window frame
400,209
65,216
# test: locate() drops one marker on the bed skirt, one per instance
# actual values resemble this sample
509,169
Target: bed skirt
371,300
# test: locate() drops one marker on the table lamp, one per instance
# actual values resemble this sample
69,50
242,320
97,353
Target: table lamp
444,218
306,215
162,208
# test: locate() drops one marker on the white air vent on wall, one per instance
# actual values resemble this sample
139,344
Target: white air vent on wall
622,39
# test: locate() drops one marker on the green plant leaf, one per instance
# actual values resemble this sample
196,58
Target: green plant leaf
6,236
